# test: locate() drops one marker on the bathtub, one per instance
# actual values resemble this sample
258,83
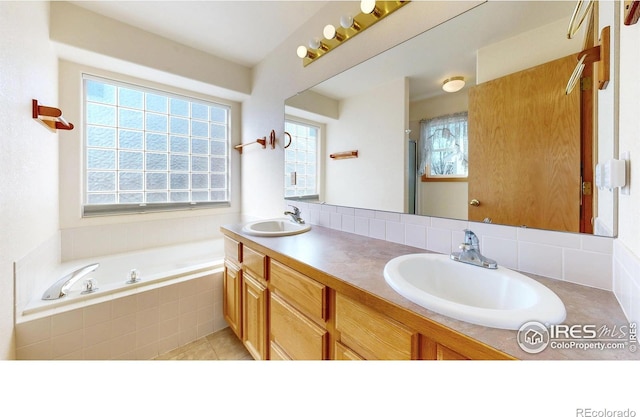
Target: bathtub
177,300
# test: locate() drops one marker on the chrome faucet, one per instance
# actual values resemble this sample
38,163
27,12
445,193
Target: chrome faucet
295,214
60,288
470,253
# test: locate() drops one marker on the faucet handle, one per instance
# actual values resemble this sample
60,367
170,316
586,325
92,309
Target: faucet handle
471,239
468,236
296,210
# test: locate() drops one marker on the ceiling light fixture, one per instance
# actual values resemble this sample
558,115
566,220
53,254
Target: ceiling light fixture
371,12
453,84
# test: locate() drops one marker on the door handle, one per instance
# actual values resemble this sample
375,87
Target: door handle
474,202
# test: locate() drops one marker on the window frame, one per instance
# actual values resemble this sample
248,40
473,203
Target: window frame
427,176
320,130
94,210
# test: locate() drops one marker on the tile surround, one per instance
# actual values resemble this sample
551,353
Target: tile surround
138,326
107,239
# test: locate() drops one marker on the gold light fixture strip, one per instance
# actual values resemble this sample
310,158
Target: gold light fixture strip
361,22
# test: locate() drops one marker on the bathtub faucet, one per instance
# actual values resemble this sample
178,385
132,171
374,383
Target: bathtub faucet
60,288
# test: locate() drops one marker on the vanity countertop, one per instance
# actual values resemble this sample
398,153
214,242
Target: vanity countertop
354,265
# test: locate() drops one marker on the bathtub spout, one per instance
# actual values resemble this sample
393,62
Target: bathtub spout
60,288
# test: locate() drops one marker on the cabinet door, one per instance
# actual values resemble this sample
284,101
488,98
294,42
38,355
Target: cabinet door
254,317
232,301
295,334
343,353
432,350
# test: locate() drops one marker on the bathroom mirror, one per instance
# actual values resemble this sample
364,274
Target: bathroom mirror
375,108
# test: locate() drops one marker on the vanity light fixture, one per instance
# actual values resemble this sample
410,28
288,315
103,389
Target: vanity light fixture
371,13
368,7
453,84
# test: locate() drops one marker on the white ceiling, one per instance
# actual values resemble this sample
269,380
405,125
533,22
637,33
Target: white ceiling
240,31
245,32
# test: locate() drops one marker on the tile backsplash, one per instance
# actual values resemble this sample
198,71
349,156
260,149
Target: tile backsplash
582,259
626,281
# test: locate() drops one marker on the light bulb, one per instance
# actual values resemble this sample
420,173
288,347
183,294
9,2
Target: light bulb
314,43
346,21
301,51
453,84
329,32
367,6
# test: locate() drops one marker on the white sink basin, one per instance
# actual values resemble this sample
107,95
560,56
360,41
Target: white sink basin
499,298
275,227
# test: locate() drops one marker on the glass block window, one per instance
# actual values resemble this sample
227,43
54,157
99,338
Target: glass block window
147,149
301,160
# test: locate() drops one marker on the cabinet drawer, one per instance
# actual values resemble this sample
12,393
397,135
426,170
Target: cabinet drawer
294,333
371,334
233,250
255,263
305,294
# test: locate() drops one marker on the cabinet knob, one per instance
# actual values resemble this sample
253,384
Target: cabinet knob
474,202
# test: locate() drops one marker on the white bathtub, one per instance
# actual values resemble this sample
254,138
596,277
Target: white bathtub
179,300
157,267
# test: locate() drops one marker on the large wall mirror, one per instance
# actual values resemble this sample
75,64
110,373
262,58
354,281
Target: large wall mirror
383,109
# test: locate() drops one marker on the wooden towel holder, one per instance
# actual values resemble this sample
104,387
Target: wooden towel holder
262,141
49,116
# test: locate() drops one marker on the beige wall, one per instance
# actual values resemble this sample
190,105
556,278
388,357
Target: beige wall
29,153
629,137
373,179
28,150
440,199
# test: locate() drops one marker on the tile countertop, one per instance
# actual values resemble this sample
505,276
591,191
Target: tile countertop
353,264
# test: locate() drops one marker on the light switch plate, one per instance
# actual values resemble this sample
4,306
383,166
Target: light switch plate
625,156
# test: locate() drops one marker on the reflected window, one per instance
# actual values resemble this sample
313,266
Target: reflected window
301,159
444,147
149,150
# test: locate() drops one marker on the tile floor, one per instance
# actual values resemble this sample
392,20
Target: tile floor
221,345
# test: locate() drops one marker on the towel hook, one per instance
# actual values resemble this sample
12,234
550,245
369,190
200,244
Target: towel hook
575,76
573,28
288,143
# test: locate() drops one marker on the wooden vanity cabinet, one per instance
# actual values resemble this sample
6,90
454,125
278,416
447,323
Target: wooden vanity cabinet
281,314
232,285
298,315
